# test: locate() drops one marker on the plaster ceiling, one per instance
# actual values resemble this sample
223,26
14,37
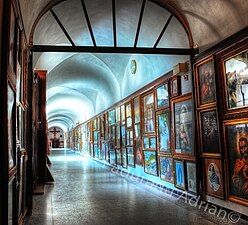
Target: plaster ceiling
81,85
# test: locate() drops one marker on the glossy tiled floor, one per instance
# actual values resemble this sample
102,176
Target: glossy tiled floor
88,193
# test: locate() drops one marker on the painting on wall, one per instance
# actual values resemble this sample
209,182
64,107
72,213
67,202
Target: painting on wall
175,86
183,127
205,78
237,157
111,117
191,176
236,76
136,103
163,131
214,184
124,157
130,156
179,174
166,169
148,113
209,132
162,95
138,152
150,162
129,115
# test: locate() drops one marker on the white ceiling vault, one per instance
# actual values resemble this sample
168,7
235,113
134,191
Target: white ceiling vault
87,46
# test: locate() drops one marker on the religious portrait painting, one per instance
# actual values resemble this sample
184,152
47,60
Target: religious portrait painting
150,162
214,177
191,176
183,127
179,174
205,78
237,157
163,131
148,113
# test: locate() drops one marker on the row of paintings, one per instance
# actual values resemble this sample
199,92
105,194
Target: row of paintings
181,173
234,76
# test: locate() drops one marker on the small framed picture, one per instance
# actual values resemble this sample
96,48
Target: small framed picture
175,86
179,174
214,184
166,168
162,96
148,113
191,177
150,162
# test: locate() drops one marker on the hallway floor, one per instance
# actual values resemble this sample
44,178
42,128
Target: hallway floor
86,192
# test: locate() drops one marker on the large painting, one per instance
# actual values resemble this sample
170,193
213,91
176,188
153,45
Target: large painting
136,103
236,72
237,156
166,169
163,131
183,125
150,162
148,113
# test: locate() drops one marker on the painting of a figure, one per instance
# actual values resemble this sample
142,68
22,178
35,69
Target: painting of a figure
163,131
183,127
236,70
191,176
237,137
179,176
206,82
214,177
148,115
166,169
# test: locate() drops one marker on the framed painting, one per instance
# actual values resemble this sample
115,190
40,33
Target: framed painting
112,157
235,74
111,141
162,96
146,143
118,157
152,142
130,156
129,115
129,137
137,131
124,157
163,131
138,152
237,160
150,162
12,38
175,86
136,103
179,179
123,136
191,177
166,169
214,184
123,115
11,128
183,125
111,117
209,132
118,136
117,114
205,82
148,113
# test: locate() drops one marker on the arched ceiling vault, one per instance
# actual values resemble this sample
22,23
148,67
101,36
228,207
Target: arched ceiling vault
87,45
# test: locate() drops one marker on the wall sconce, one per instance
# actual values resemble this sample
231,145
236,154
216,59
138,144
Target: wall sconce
180,70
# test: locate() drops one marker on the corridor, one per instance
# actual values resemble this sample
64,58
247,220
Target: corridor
86,192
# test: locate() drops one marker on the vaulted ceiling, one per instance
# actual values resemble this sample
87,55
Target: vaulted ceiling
90,44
